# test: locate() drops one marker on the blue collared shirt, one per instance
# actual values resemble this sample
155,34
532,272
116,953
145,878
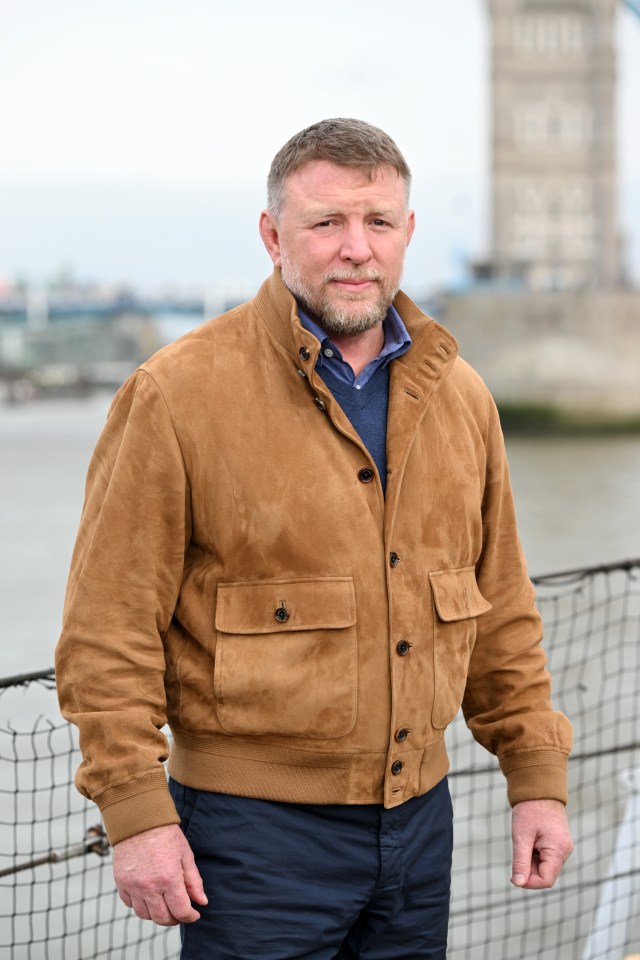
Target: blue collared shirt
396,342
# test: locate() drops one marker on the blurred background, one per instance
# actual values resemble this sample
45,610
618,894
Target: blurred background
136,139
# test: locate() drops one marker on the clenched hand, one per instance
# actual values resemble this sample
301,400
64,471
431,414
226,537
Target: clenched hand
157,876
541,843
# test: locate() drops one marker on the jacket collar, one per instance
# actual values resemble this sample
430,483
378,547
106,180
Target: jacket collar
420,370
415,376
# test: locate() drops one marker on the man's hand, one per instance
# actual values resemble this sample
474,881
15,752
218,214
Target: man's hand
157,876
541,843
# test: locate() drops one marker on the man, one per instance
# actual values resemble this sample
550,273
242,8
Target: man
298,546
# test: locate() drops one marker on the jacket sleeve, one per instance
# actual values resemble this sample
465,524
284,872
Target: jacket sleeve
507,702
124,581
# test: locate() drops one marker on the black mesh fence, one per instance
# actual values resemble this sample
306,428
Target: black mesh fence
57,898
56,892
592,627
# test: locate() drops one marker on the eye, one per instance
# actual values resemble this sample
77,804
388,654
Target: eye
378,222
324,223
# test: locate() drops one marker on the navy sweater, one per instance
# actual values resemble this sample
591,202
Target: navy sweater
366,408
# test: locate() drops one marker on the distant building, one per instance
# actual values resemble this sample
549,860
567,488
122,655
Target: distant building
554,143
551,322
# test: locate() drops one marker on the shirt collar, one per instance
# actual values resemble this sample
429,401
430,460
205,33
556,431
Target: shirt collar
396,336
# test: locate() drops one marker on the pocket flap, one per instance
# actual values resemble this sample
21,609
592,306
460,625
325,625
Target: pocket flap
456,594
276,606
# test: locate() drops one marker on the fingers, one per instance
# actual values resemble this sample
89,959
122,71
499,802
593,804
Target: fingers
157,877
541,843
168,910
179,907
158,910
140,908
193,881
542,874
126,899
526,863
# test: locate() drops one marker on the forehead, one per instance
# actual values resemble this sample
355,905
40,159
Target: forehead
320,182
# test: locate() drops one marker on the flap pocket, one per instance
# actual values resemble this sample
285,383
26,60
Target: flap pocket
456,594
284,606
286,657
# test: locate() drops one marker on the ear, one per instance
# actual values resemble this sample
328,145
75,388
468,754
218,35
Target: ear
411,225
270,236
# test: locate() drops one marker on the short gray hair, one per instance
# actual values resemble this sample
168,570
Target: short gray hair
345,142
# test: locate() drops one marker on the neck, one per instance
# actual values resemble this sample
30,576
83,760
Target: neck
359,349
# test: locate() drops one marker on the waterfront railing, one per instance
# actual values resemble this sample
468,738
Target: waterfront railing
57,900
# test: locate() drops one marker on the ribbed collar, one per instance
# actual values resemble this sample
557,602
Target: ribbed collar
396,342
420,369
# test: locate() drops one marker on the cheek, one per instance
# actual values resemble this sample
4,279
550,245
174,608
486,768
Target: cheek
318,252
393,258
313,256
316,263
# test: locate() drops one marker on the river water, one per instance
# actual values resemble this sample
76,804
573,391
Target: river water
578,503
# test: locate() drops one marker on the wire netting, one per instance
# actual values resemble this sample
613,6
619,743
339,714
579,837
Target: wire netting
57,900
592,628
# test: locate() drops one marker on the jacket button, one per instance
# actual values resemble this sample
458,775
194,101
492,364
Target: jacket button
394,559
320,403
366,475
282,615
402,734
403,647
304,353
396,767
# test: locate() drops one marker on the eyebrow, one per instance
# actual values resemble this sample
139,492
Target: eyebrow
325,214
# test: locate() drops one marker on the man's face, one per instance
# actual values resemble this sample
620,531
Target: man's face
340,241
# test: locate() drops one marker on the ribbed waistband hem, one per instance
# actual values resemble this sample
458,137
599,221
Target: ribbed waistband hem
287,775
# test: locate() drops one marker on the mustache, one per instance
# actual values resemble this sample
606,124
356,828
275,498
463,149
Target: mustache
351,275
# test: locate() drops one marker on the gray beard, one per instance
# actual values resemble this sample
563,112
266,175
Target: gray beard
338,318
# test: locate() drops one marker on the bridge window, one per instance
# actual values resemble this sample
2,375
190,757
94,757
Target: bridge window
551,35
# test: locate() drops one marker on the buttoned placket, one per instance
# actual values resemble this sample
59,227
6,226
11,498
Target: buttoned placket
365,474
403,765
410,395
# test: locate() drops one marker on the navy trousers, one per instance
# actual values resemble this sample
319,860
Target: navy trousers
289,881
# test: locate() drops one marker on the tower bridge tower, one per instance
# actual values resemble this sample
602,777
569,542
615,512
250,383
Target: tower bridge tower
554,222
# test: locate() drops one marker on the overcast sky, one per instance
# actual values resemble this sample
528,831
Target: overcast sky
136,134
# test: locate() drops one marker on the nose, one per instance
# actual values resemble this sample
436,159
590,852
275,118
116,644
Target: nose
355,244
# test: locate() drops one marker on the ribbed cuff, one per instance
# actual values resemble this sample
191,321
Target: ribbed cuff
136,806
535,775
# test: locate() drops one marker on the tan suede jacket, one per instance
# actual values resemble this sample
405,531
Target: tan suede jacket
239,574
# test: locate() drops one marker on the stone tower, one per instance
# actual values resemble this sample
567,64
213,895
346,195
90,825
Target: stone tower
554,146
